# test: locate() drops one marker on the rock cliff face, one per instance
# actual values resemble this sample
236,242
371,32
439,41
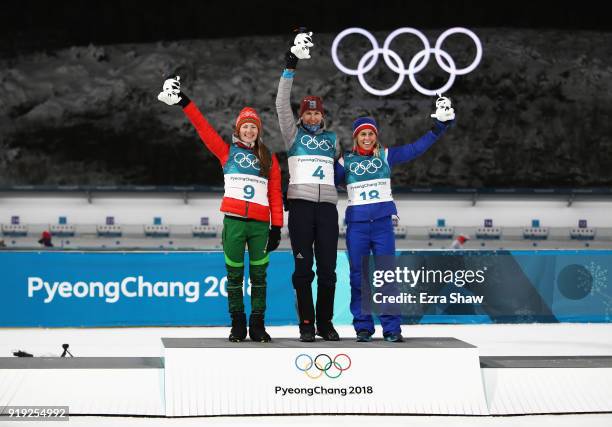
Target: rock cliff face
535,113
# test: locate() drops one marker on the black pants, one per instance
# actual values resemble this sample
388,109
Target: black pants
314,225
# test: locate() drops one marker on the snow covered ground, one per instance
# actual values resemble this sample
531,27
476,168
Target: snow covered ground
492,340
591,420
565,339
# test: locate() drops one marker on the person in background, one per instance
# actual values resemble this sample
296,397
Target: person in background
45,239
459,241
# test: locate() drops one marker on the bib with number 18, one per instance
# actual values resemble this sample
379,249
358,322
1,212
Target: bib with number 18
368,179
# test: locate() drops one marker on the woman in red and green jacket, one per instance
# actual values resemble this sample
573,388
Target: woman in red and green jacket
252,204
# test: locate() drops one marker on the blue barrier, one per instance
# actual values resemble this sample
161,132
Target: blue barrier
59,289
126,289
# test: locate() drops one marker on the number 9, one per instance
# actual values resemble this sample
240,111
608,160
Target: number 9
249,191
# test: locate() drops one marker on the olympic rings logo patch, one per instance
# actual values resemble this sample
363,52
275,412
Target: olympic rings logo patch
312,144
417,63
247,160
369,166
323,364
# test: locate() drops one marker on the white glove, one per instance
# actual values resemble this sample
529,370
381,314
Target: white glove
444,109
170,92
301,45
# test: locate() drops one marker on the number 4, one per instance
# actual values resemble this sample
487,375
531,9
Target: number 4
319,173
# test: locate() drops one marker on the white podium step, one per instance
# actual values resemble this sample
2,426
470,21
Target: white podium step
420,376
87,385
548,385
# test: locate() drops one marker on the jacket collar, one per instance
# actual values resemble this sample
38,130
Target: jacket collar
321,129
363,152
242,144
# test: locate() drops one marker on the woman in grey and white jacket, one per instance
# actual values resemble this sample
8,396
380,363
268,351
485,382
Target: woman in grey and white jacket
312,198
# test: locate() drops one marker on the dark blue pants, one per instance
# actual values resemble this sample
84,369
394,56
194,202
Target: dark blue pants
363,238
313,229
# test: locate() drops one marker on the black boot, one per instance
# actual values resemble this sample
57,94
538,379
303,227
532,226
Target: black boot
239,330
327,332
257,330
307,332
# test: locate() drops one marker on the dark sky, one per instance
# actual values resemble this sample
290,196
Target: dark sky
34,25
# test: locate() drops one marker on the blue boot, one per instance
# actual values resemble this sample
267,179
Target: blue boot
393,337
364,336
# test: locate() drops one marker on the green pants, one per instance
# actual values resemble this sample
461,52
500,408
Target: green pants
238,233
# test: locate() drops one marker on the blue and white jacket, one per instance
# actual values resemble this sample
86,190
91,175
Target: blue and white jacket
368,178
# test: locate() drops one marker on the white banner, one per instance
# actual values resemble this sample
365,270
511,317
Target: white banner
249,188
311,170
372,191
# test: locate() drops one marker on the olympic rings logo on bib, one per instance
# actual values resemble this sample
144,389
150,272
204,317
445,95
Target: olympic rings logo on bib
323,364
247,160
312,144
369,166
417,63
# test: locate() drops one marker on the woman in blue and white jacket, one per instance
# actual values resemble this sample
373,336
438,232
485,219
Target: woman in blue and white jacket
366,171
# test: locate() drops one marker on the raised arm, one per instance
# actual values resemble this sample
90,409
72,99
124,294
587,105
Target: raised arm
444,118
286,120
172,95
209,136
408,152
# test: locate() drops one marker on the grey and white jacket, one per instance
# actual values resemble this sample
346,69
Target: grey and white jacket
289,130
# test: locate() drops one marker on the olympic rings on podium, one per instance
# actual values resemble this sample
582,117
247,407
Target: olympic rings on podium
323,364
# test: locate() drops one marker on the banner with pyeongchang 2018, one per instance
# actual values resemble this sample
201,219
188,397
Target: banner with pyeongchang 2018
130,289
58,289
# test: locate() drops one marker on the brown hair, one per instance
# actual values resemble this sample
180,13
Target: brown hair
264,157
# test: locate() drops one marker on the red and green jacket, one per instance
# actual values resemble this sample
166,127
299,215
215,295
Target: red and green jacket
221,149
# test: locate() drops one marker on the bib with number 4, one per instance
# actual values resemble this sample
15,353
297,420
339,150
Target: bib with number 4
241,175
311,158
368,179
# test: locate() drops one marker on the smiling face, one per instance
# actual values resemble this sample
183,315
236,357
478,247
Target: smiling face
366,139
312,117
248,132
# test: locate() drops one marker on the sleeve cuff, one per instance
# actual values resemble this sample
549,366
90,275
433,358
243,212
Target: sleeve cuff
288,74
184,102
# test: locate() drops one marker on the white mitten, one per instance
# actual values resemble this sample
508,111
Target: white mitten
301,45
444,109
171,90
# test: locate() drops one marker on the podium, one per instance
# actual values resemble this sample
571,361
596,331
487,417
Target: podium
211,377
205,377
